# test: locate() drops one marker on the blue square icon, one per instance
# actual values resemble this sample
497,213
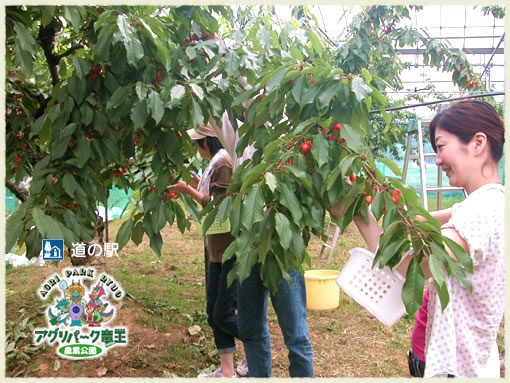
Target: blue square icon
53,249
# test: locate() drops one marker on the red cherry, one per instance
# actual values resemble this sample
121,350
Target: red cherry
306,147
172,176
369,199
338,126
396,192
353,177
158,77
172,195
292,82
341,140
261,96
395,198
53,180
150,188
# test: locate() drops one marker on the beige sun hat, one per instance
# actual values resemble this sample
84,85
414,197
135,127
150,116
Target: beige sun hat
205,130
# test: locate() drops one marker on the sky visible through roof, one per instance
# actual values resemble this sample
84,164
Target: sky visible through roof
460,26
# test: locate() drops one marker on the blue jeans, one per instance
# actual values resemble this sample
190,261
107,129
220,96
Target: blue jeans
289,303
221,306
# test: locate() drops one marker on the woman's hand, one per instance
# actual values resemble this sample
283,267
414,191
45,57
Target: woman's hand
180,187
184,188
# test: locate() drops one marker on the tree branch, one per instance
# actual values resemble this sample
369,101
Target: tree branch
22,193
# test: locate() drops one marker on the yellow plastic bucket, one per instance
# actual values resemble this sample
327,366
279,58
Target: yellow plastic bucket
322,291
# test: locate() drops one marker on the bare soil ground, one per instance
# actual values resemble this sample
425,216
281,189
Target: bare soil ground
347,341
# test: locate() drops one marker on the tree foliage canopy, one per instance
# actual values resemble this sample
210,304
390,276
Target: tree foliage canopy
102,96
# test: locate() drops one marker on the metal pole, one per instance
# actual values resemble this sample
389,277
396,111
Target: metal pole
441,101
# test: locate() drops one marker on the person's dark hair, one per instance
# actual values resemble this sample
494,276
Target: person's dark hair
213,143
466,118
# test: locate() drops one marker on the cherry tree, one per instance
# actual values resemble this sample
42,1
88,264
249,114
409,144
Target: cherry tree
102,96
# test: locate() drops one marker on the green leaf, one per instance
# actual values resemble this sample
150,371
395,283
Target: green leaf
196,117
156,243
80,66
444,296
392,253
159,217
134,48
118,97
82,151
297,246
346,163
296,53
264,240
47,13
232,62
271,181
460,253
13,227
124,233
139,114
59,147
378,206
316,43
100,122
87,114
333,178
327,94
283,229
320,150
436,270
298,89
246,257
42,122
459,273
360,88
141,90
353,138
252,177
392,165
137,235
177,93
412,291
73,13
156,106
275,80
51,228
271,273
25,46
290,201
309,95
70,184
197,90
253,208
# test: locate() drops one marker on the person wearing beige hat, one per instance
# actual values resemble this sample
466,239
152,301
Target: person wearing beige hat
221,299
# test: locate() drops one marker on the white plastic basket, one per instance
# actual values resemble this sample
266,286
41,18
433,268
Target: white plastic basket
377,290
